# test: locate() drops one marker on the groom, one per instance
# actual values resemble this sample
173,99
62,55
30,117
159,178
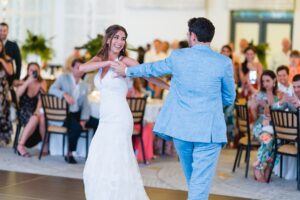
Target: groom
192,115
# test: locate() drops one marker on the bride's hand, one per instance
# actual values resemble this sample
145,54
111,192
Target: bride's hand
110,63
119,68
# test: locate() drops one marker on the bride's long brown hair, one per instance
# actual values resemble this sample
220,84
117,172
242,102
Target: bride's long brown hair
110,32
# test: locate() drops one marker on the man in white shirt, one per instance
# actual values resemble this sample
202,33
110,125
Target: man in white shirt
295,100
282,57
292,102
155,53
240,55
74,91
283,80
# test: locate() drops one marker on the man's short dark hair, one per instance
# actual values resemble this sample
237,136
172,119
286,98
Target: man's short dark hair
77,60
283,67
4,24
203,28
296,78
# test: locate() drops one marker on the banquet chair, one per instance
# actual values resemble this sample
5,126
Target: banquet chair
286,138
246,141
55,110
85,134
18,128
137,107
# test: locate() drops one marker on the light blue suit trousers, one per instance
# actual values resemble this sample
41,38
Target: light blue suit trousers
199,161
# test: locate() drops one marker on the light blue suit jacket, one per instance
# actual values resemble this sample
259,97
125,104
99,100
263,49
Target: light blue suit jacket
202,83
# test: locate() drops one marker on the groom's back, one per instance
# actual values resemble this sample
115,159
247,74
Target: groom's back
202,83
197,77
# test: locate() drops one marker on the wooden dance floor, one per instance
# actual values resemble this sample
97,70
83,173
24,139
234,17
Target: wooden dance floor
21,186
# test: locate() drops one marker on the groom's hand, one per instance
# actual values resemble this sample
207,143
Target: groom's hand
119,68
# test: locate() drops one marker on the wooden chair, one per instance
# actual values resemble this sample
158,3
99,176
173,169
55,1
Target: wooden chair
18,129
85,134
137,107
245,137
286,138
56,110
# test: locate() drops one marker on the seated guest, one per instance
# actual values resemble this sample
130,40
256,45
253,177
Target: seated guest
292,102
74,91
283,80
227,51
228,110
294,66
31,113
262,128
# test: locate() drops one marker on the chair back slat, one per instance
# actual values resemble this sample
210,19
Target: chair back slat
55,109
137,107
285,124
242,118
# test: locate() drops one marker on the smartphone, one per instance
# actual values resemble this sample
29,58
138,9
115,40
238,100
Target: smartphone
253,76
35,74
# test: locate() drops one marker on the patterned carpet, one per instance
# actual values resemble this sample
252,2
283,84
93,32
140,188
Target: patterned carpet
164,172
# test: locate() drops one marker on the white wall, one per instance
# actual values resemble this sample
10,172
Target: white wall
144,25
296,31
70,24
218,12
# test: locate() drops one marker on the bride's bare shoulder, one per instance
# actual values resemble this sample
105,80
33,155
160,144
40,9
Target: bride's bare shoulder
129,61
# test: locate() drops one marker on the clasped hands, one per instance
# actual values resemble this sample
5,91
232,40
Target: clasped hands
119,67
290,99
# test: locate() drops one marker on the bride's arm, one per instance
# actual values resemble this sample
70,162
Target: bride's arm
94,64
157,81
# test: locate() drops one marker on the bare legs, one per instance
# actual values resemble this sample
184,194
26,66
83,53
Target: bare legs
34,121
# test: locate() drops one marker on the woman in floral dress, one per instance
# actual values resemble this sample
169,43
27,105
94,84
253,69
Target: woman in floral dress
262,129
5,123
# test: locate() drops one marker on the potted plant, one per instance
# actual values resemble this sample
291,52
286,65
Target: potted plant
35,48
92,46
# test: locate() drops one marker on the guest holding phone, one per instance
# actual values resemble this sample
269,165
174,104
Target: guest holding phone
250,71
31,113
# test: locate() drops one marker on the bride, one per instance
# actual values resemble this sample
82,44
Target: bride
111,170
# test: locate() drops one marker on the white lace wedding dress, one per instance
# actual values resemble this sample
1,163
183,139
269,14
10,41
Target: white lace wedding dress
111,171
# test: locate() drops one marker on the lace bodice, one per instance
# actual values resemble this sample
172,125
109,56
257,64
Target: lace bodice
111,83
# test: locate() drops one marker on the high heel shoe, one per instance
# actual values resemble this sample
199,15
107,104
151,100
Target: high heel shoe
27,155
258,176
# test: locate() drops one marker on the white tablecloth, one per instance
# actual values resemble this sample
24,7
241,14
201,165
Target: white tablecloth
289,168
56,145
